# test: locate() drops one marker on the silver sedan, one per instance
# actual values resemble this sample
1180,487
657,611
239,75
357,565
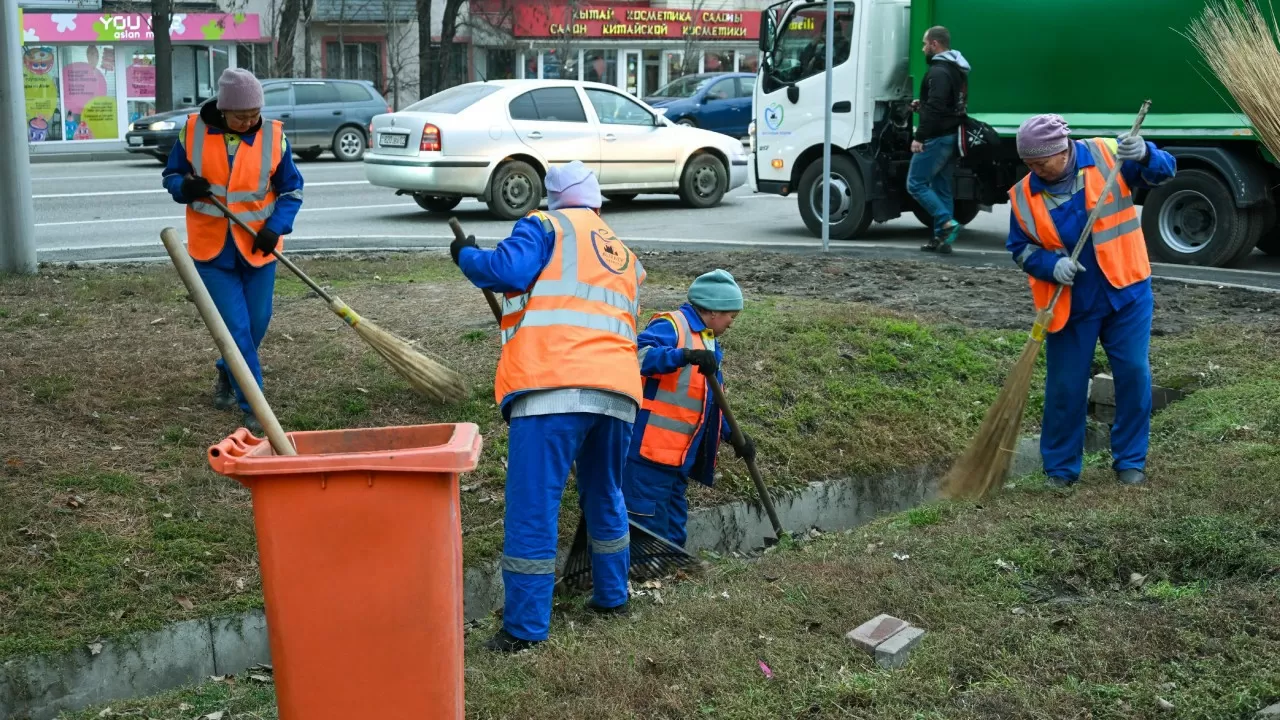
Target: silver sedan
495,140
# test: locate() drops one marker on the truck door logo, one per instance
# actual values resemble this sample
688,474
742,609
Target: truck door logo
773,116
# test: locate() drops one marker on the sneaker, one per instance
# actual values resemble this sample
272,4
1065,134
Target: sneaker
944,248
622,610
951,232
224,398
1131,477
505,642
931,246
252,424
1061,483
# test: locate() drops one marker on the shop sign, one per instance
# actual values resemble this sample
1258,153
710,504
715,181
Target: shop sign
631,23
133,27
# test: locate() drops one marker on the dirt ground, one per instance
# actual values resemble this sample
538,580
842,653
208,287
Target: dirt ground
990,297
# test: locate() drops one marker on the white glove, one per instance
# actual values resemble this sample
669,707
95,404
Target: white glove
1131,147
1064,272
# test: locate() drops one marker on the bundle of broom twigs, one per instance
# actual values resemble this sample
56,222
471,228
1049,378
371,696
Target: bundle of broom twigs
1239,44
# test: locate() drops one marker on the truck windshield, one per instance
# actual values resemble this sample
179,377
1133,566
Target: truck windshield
685,87
800,49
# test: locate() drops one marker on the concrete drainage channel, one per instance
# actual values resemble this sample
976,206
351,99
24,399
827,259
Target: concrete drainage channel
191,651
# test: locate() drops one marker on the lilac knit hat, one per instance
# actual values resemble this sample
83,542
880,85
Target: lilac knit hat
1042,136
239,90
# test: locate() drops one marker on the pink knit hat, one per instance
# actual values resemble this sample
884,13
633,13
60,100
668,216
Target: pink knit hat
239,90
1042,136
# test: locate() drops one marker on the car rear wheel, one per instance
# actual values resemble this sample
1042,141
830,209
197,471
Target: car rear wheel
348,144
516,190
435,204
704,181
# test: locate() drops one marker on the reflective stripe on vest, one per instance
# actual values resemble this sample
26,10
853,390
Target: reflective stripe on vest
677,409
244,186
1116,234
575,327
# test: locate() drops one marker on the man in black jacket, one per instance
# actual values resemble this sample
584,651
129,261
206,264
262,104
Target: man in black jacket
941,106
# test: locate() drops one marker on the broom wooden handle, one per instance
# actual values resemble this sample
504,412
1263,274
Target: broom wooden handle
226,344
1112,178
736,437
278,255
489,297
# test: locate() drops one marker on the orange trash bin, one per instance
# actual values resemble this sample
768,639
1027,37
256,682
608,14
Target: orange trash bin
360,546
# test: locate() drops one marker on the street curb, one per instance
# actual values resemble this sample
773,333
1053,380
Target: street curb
79,157
187,652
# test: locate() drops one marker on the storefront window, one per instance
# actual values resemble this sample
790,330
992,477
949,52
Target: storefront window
676,67
749,62
718,61
500,64
556,67
40,85
89,93
600,66
140,82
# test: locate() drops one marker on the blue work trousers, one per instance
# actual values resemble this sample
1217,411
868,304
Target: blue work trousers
1126,338
243,295
929,180
657,501
542,448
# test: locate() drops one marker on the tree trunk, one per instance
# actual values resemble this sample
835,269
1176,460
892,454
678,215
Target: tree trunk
288,31
426,57
161,16
448,29
306,38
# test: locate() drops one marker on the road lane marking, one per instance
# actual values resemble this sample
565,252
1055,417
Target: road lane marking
166,192
180,218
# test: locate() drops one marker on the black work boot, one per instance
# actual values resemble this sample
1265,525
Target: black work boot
1062,483
932,246
622,610
1131,477
505,642
251,423
224,398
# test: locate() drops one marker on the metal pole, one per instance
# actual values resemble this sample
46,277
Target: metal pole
826,131
17,223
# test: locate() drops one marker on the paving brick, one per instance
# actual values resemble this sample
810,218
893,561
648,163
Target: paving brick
894,652
875,631
1102,389
1269,712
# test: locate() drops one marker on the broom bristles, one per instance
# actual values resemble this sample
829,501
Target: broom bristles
426,376
1238,43
986,462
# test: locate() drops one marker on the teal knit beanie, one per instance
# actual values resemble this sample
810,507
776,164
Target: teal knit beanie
716,291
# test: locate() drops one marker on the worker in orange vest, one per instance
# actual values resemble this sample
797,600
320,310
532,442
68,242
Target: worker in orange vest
1108,291
228,151
679,428
568,384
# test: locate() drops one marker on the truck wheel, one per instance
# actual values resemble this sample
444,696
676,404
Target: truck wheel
850,212
1192,220
516,191
436,204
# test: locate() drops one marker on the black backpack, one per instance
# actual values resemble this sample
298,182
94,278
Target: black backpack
976,140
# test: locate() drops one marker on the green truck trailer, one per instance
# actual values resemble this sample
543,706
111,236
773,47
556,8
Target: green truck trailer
1092,61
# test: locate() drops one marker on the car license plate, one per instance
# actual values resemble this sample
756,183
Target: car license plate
135,141
395,141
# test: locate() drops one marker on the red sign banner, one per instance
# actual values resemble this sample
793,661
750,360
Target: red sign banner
631,23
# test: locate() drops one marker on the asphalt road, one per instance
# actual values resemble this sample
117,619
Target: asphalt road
115,210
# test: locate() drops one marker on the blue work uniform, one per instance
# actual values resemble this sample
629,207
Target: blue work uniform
241,292
656,493
550,430
1120,317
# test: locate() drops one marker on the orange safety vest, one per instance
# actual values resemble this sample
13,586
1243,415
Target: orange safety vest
245,188
575,327
1117,233
678,407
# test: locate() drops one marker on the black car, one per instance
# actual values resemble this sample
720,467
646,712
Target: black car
318,115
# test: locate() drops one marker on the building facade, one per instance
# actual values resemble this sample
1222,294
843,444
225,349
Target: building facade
88,75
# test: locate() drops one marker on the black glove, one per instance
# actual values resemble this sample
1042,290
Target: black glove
747,450
704,359
266,241
455,247
195,187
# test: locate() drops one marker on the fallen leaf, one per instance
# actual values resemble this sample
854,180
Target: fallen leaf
186,603
765,669
657,598
1019,611
288,337
214,715
260,678
871,547
901,558
1005,566
158,321
184,409
75,502
1169,687
467,488
651,584
1137,580
167,516
117,614
362,390
1164,704
725,594
106,712
117,448
95,648
183,707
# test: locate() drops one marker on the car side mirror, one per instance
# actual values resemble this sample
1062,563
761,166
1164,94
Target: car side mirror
793,93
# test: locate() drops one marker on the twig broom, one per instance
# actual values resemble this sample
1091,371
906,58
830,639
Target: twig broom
985,463
426,376
1239,46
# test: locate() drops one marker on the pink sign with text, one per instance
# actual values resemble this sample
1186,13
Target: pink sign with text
106,27
142,80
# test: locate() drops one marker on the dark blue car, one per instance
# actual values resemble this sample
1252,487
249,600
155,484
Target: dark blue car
712,101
